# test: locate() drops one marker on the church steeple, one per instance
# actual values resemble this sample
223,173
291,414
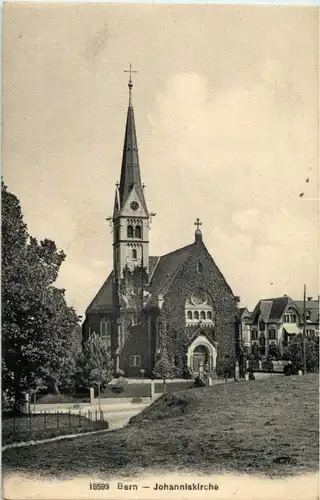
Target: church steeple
130,167
130,215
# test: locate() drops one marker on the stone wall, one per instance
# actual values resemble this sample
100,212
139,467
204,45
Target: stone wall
209,279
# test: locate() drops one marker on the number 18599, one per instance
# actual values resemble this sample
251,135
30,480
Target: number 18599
99,486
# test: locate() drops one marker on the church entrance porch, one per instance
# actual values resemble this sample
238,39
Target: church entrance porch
202,355
201,359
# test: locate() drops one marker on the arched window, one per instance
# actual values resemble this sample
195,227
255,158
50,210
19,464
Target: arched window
105,330
138,232
130,232
199,306
134,253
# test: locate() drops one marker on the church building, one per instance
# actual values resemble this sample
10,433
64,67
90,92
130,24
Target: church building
178,303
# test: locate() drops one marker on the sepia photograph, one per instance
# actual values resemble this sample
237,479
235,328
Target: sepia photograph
160,251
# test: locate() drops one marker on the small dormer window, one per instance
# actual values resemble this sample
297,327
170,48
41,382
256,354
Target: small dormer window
290,316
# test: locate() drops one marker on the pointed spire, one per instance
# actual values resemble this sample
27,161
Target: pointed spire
130,168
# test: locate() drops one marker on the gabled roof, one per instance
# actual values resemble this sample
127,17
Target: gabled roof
165,271
103,301
265,309
207,331
162,271
271,309
244,311
312,306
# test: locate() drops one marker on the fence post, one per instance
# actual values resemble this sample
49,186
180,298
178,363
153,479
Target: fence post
152,391
69,419
45,419
91,395
79,418
14,423
30,422
57,420
237,371
27,404
96,417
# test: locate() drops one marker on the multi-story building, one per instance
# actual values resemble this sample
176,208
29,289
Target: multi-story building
274,322
244,327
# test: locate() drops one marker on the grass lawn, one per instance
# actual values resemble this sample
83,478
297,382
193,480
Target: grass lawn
265,426
62,398
131,391
41,426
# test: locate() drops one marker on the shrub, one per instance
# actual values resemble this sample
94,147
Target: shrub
225,367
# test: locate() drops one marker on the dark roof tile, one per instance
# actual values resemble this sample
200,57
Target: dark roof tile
165,271
103,301
312,306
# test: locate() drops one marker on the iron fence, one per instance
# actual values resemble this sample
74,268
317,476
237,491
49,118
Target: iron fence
32,423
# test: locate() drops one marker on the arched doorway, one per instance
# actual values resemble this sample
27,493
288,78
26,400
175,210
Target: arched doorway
200,358
202,353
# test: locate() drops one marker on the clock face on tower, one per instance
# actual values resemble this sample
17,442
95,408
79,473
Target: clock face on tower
134,205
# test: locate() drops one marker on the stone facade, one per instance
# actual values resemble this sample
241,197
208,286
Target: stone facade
179,303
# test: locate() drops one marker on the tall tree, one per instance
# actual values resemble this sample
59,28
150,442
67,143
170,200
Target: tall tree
294,352
95,366
36,322
165,368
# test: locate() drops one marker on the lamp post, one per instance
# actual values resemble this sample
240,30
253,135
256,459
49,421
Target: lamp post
304,333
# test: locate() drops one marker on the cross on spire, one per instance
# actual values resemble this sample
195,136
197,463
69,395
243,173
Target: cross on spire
198,223
130,84
198,235
130,71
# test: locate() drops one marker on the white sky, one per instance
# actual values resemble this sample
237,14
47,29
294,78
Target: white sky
226,107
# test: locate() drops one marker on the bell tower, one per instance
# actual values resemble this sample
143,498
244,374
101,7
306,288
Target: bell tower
130,215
